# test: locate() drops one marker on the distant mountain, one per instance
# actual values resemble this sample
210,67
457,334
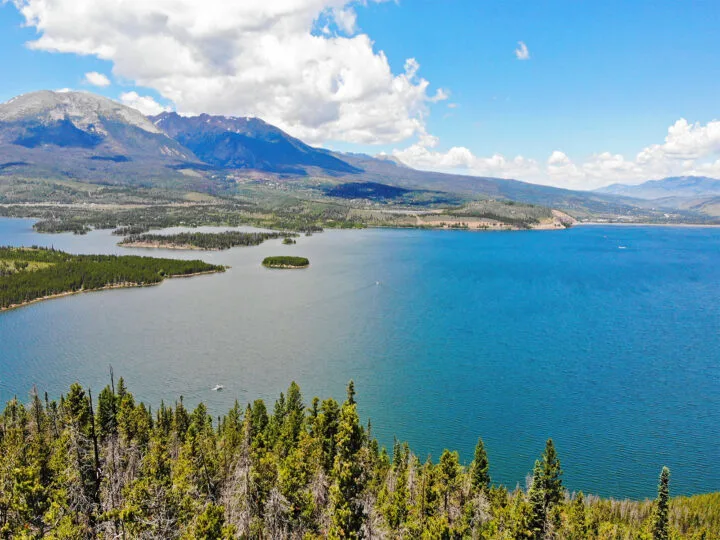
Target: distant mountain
85,136
89,138
247,143
687,187
395,173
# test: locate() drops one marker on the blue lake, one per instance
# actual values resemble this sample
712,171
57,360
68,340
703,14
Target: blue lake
606,339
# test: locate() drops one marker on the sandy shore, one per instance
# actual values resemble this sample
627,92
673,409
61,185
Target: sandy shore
106,288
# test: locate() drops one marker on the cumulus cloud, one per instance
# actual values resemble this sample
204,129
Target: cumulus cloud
689,149
462,161
522,52
96,79
145,104
252,57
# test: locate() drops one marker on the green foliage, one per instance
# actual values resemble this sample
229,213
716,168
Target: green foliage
551,475
54,272
660,522
285,261
222,240
78,468
480,468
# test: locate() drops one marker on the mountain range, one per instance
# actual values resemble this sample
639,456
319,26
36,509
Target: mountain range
89,138
677,186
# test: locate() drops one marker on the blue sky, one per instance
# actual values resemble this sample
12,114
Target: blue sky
602,77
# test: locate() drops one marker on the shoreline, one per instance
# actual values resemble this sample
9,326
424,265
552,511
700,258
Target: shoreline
105,288
159,245
674,225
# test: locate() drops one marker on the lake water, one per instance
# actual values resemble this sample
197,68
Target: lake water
605,338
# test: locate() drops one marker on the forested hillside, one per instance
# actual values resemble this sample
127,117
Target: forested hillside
110,467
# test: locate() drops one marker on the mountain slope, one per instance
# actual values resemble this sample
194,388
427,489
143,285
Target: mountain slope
88,138
85,136
578,203
247,143
678,186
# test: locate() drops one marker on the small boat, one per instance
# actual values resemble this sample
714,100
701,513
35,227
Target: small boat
218,388
622,247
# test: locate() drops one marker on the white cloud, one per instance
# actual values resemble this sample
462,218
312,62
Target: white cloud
462,161
263,58
522,52
689,149
685,141
96,79
145,104
346,19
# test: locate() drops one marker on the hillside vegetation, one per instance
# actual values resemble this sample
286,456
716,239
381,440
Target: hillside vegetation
68,147
111,468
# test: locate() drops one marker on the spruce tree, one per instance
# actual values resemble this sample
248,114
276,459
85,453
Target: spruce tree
538,507
106,414
347,508
577,522
661,527
448,473
551,475
480,468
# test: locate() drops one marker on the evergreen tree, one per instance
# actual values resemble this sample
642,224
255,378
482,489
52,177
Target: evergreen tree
577,520
537,497
106,414
551,475
448,473
176,475
480,468
661,527
347,508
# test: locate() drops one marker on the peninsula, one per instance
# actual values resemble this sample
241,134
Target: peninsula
203,241
29,275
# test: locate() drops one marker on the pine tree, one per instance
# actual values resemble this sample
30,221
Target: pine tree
551,475
347,509
577,522
538,507
448,473
480,468
107,414
661,527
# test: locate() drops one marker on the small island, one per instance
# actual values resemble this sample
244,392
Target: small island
285,262
203,241
29,275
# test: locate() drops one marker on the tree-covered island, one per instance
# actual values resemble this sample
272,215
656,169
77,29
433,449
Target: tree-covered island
203,241
285,261
107,466
31,274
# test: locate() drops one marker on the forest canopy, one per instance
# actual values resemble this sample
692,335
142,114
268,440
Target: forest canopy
27,274
285,261
199,240
109,466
